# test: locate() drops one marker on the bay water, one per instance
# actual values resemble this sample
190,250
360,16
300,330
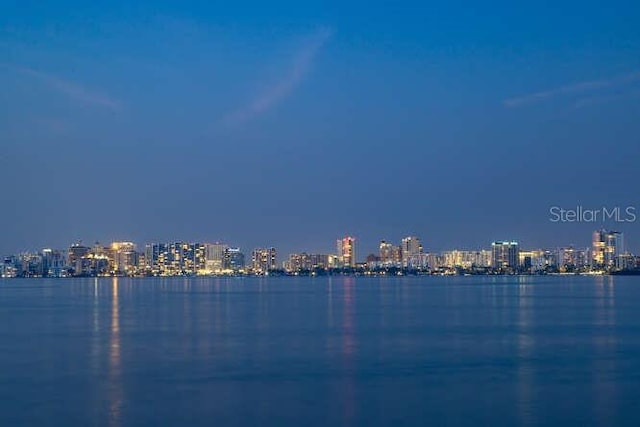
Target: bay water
321,351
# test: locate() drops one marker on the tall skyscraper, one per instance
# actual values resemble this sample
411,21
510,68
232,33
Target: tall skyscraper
54,263
614,249
233,259
319,260
598,248
200,257
607,248
155,255
264,259
347,251
384,252
78,253
411,252
570,258
214,257
170,259
298,262
504,255
390,254
123,257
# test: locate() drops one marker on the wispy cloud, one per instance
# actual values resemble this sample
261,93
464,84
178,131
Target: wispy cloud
588,101
573,90
300,66
69,89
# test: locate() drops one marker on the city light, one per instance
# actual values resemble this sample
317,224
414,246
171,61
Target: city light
606,255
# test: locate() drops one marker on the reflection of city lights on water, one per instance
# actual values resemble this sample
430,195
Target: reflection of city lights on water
526,345
115,374
605,347
348,349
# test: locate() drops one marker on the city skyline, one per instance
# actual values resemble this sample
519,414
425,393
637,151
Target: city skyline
369,244
607,252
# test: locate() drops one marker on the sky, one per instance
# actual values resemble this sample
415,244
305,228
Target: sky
291,124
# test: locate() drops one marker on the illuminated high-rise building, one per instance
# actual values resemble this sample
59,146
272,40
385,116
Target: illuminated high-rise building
77,253
384,251
411,252
390,254
233,259
504,255
123,257
171,259
607,247
614,249
54,263
298,262
598,248
570,259
214,256
264,259
435,261
535,260
347,251
155,258
319,260
200,257
466,259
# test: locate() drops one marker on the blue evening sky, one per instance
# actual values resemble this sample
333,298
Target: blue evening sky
293,123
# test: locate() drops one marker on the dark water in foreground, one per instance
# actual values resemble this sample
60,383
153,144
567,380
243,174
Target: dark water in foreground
553,351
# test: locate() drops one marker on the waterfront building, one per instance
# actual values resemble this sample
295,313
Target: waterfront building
435,261
233,259
598,243
626,261
505,255
533,261
264,259
77,252
29,265
333,261
567,259
319,260
373,261
54,263
215,257
8,267
385,251
199,257
189,265
465,259
95,265
614,249
155,255
411,251
123,258
607,247
484,258
173,259
346,251
571,259
298,262
141,266
390,255
454,259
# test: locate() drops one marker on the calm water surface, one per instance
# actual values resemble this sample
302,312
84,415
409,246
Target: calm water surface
341,351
